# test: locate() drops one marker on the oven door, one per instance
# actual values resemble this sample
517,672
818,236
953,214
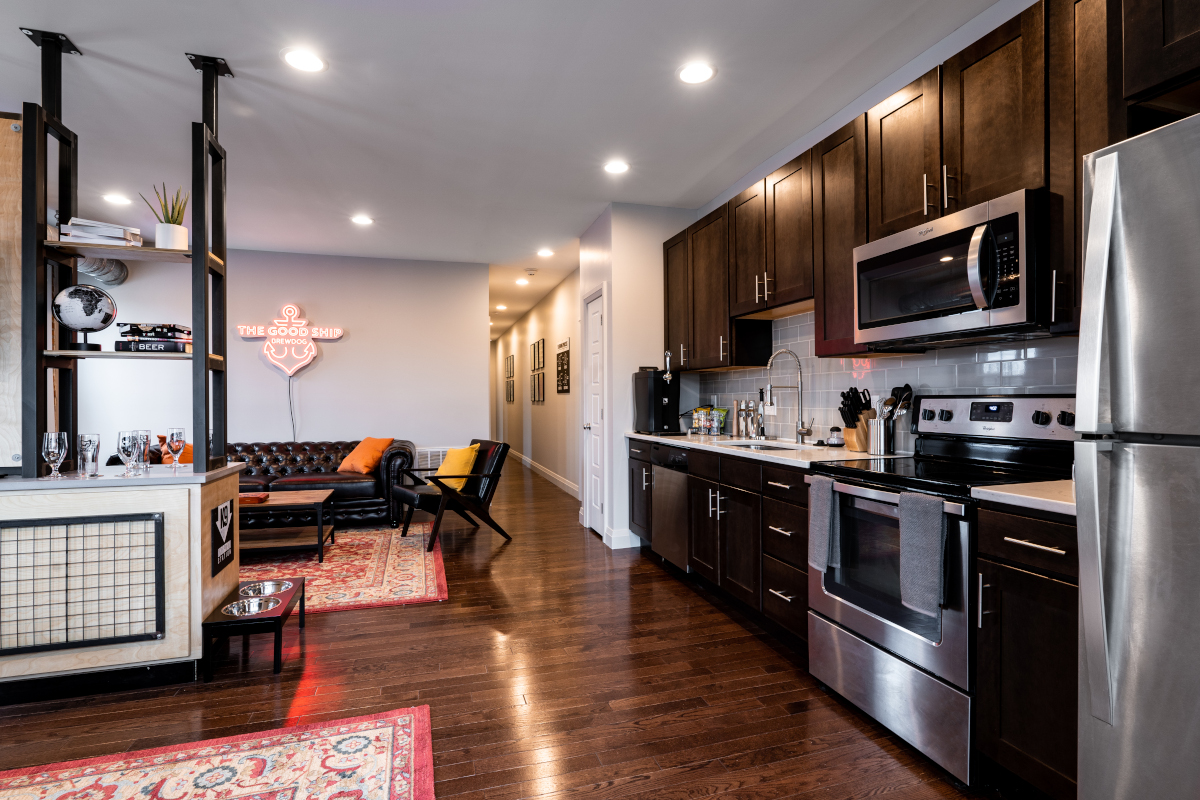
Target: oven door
961,273
863,595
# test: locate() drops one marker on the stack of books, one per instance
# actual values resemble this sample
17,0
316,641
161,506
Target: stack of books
142,337
87,231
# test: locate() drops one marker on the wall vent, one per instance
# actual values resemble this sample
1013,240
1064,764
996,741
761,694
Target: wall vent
430,457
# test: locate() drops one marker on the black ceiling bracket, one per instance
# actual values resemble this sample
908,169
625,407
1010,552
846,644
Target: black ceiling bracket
53,45
64,43
211,68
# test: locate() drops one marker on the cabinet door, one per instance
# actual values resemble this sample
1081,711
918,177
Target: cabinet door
708,283
789,232
904,145
1161,48
994,113
703,540
748,251
740,514
1026,679
640,480
839,226
677,311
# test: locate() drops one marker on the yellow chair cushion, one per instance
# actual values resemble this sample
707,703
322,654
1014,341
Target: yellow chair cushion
458,461
365,457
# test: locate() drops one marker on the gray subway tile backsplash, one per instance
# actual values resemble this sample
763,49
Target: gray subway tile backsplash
1040,366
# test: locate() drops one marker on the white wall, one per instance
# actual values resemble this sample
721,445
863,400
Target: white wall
544,436
413,363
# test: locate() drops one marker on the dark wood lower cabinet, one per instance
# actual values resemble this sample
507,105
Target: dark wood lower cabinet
1027,676
704,546
785,595
740,531
641,481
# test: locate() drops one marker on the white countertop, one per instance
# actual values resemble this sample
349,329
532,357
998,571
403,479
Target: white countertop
110,478
1056,496
794,455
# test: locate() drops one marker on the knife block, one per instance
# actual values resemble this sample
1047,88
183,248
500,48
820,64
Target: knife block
856,437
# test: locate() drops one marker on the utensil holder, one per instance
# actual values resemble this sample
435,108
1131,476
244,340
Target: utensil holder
875,432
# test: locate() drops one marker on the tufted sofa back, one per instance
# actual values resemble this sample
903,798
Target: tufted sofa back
280,459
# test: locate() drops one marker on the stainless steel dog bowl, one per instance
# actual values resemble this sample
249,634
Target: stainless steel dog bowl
264,588
250,607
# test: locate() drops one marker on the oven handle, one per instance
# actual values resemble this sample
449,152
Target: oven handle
975,267
891,498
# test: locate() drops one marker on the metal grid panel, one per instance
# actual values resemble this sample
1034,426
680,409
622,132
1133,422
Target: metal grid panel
80,582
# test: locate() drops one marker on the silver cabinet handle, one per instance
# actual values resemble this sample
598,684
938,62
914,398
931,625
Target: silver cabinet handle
1091,577
925,193
779,530
643,478
975,267
722,348
632,449
1042,547
719,511
710,503
781,595
682,354
780,485
982,586
945,187
1097,250
766,291
756,289
1053,294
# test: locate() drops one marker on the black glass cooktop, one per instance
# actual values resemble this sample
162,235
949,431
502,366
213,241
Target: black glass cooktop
936,475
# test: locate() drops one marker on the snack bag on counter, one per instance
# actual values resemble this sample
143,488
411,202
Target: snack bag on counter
719,424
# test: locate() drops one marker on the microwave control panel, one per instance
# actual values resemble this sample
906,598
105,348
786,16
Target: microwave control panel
1013,417
1005,233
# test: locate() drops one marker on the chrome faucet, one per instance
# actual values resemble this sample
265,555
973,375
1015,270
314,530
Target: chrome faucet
801,430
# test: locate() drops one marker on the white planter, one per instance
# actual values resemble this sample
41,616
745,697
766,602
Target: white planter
170,237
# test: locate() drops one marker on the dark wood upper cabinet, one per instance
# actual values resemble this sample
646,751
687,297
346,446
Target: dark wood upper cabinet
748,251
1161,45
994,113
839,225
789,247
677,319
708,288
741,544
904,148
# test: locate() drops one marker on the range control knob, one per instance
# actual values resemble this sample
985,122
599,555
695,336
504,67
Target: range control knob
1066,418
945,415
1041,418
928,413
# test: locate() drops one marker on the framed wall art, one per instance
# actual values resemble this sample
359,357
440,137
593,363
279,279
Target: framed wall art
562,367
510,387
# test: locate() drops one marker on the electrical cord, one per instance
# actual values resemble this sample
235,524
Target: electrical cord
291,408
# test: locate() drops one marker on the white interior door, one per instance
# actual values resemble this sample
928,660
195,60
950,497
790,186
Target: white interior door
593,417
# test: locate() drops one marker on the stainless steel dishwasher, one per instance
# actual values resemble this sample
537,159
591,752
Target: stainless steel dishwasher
669,504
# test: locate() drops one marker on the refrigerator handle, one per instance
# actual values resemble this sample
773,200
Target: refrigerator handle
1091,577
1096,253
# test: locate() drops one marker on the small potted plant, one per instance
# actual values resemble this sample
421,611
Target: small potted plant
169,233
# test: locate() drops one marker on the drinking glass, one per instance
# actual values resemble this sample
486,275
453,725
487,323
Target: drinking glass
89,455
176,439
144,453
54,450
127,450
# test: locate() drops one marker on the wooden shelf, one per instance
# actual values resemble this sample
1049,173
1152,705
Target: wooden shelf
125,253
115,354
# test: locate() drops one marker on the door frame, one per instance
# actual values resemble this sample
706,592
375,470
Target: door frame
606,458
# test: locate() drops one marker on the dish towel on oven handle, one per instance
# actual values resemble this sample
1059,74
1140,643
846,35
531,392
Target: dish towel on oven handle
824,525
922,552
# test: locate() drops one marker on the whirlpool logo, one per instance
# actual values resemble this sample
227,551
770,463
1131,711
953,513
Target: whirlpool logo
927,230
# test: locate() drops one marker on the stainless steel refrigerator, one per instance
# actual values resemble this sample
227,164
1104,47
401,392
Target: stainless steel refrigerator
1138,488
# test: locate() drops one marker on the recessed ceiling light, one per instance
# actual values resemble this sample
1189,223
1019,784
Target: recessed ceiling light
546,252
946,258
696,72
522,282
361,219
303,59
501,308
491,323
616,167
120,200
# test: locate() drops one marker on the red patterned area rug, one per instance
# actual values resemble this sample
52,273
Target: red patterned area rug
364,569
386,756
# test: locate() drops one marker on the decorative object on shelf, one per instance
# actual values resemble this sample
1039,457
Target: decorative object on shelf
89,455
153,332
290,341
109,271
124,346
169,233
84,309
54,450
89,231
562,366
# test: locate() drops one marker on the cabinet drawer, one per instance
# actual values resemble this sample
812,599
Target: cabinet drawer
786,484
742,474
1035,543
639,450
785,595
785,532
704,464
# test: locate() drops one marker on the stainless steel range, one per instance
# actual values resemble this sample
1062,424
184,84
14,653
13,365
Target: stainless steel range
911,671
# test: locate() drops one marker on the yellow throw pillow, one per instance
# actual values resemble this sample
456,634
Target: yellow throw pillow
458,461
365,456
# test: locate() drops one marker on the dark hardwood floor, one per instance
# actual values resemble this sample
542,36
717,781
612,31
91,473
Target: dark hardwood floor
557,668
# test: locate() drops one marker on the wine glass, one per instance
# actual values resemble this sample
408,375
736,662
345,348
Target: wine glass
54,450
143,460
89,455
127,449
176,439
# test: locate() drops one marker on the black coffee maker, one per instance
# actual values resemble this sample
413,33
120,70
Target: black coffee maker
655,401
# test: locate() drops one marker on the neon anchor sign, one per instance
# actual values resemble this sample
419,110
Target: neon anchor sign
290,343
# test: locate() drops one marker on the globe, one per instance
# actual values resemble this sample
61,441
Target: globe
84,308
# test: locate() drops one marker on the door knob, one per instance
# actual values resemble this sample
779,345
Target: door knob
587,426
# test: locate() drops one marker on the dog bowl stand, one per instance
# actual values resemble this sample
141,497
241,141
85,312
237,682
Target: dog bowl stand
219,626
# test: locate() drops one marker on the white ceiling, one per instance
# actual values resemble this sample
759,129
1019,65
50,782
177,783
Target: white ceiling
503,289
471,130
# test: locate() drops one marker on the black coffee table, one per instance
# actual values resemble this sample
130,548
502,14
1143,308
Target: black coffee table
219,625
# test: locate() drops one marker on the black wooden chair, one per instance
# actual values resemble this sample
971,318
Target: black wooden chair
474,498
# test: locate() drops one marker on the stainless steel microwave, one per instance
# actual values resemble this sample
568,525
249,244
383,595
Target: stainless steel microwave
976,275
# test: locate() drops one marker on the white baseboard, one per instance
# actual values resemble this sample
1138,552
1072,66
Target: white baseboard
558,480
620,539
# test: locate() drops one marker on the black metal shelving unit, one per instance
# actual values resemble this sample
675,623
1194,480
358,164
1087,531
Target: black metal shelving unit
47,269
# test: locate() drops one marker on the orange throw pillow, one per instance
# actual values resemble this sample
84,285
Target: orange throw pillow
184,458
366,456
